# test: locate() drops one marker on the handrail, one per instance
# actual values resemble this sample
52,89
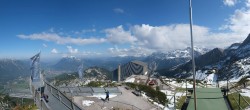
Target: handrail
40,101
174,96
60,95
239,96
237,102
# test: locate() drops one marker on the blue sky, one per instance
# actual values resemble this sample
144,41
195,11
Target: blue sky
97,28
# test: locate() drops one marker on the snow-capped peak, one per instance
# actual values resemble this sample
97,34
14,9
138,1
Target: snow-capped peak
179,53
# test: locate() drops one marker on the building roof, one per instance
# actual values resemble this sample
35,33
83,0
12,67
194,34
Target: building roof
208,99
140,63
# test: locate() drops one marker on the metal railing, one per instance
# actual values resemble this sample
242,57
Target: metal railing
40,102
68,103
239,99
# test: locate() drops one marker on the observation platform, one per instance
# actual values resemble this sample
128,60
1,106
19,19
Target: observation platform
208,99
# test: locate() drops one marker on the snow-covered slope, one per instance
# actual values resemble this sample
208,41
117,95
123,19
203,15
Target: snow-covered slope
244,49
174,58
232,62
179,53
236,70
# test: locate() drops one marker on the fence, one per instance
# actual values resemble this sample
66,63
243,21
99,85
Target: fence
40,102
238,98
68,103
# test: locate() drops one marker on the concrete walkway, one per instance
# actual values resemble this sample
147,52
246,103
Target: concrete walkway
129,98
54,103
126,101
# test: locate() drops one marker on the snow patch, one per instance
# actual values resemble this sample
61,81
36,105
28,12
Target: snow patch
211,79
159,105
87,102
170,97
246,92
130,80
103,96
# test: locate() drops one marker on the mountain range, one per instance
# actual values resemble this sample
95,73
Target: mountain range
164,60
71,63
231,61
110,63
11,69
98,73
174,58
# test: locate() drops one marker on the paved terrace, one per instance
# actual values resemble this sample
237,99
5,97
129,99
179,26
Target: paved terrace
125,101
208,99
60,99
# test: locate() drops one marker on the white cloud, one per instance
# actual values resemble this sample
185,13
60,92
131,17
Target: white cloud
162,37
118,10
229,2
145,39
248,3
169,37
88,53
44,45
53,37
54,51
158,38
239,23
72,50
118,35
132,51
84,31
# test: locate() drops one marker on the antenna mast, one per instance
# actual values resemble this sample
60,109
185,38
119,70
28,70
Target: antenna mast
192,46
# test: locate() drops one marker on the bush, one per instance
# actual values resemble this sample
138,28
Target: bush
111,85
131,85
157,88
95,84
156,95
14,103
65,78
180,102
178,80
161,97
